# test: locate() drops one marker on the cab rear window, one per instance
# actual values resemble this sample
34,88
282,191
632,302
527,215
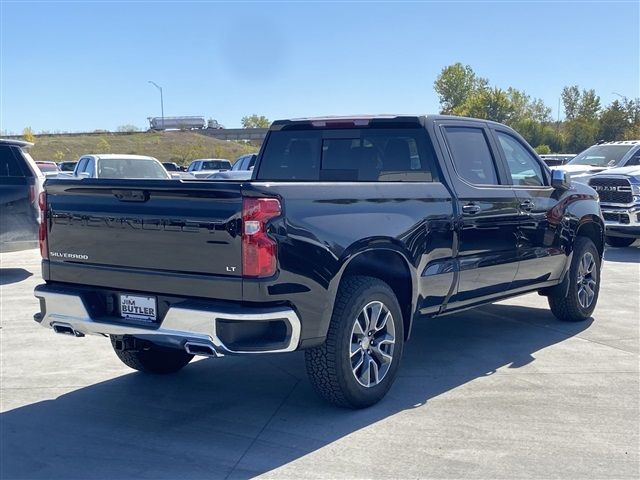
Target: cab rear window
351,155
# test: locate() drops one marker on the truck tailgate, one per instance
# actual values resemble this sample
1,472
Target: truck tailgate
182,228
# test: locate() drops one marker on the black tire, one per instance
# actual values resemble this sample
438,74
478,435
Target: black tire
619,241
153,359
330,367
572,308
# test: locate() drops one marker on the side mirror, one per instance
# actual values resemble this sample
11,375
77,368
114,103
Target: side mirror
83,175
175,176
560,180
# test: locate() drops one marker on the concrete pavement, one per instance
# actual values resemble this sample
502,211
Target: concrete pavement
504,391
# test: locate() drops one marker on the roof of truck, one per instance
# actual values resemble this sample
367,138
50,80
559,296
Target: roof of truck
15,143
363,120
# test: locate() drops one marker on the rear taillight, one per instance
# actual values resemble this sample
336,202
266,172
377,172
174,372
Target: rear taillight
259,251
42,228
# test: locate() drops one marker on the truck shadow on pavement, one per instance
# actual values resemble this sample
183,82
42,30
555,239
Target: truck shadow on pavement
13,275
243,416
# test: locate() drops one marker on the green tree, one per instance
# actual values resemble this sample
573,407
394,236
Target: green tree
589,107
571,101
614,122
103,146
28,134
455,84
543,149
128,128
488,103
255,121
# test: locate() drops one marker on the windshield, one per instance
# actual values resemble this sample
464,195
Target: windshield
130,168
215,164
601,155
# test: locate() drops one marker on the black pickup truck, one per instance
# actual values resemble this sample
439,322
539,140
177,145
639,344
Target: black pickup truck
348,231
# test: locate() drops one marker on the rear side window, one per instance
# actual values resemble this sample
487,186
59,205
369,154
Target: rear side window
291,155
471,155
9,164
379,155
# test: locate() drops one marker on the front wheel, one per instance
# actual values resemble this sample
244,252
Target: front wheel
358,362
584,284
619,241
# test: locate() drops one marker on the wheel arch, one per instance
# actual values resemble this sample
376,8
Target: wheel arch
392,266
592,227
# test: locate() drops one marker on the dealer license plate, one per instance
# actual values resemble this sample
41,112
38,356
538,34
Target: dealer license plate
138,308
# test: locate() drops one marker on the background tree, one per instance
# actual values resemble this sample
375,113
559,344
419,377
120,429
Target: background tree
543,149
455,84
128,128
28,135
103,146
613,122
255,121
571,101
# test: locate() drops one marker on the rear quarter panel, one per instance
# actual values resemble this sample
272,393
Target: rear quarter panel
326,225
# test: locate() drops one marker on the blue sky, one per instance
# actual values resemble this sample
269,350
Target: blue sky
79,66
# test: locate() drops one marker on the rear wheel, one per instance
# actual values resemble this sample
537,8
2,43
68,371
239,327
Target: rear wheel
358,362
584,284
619,241
151,358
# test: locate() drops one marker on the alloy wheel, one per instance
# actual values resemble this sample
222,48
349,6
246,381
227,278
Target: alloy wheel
372,344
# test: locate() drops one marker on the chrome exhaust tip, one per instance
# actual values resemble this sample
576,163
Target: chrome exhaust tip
64,329
202,349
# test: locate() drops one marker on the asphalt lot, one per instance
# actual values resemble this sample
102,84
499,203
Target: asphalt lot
504,391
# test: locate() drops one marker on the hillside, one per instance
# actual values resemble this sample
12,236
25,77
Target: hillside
180,147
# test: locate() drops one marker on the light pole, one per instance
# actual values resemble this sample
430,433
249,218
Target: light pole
161,100
620,95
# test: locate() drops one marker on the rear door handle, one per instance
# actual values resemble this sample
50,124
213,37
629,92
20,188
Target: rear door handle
471,208
527,205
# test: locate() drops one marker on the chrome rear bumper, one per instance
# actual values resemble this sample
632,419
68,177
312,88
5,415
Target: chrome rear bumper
180,328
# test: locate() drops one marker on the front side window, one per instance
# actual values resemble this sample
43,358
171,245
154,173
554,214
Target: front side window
472,157
523,167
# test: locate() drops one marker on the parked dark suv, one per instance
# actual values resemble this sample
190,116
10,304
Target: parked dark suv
20,185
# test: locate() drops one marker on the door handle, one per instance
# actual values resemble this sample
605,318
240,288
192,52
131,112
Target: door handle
527,205
470,208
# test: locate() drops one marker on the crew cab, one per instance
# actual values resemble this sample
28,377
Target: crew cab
619,191
350,230
202,168
21,182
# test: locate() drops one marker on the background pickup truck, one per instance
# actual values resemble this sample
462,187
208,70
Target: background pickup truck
619,191
349,230
21,182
